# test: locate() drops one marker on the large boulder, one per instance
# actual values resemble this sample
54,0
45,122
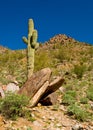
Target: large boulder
35,82
39,88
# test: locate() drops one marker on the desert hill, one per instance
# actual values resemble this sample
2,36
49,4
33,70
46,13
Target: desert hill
69,58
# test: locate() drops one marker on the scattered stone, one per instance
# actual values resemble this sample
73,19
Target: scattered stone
12,87
33,115
59,125
62,108
36,123
52,118
43,117
39,105
77,127
62,89
25,127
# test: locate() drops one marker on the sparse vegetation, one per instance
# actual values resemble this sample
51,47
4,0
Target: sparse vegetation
43,60
79,70
13,66
62,53
73,61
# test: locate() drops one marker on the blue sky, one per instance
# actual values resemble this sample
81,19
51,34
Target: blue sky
71,17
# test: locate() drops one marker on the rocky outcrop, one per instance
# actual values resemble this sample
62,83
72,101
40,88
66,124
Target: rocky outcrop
39,87
60,38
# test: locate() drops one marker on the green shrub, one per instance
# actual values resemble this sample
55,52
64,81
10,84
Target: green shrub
84,100
90,92
78,112
12,105
79,70
69,97
71,93
90,95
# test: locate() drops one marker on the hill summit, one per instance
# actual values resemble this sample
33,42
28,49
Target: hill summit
61,38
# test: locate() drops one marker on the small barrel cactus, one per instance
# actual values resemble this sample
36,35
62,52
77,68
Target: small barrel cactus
32,45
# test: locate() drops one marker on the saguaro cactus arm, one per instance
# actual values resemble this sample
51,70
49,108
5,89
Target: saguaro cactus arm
34,39
25,40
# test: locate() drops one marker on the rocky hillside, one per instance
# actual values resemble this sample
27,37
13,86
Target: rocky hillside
71,59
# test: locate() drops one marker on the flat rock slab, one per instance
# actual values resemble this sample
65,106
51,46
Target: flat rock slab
53,86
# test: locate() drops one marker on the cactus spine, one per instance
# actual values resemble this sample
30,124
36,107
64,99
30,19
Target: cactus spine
32,45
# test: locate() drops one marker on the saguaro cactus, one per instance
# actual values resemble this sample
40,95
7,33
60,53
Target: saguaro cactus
32,45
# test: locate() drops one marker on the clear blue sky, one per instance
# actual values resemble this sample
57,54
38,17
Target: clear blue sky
71,17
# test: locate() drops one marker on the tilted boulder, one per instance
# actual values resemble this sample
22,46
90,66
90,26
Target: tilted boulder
39,88
35,82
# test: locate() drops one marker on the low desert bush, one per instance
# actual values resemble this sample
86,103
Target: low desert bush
78,112
69,97
13,105
84,100
90,93
79,70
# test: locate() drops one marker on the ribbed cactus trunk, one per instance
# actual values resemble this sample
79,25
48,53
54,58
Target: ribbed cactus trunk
32,44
